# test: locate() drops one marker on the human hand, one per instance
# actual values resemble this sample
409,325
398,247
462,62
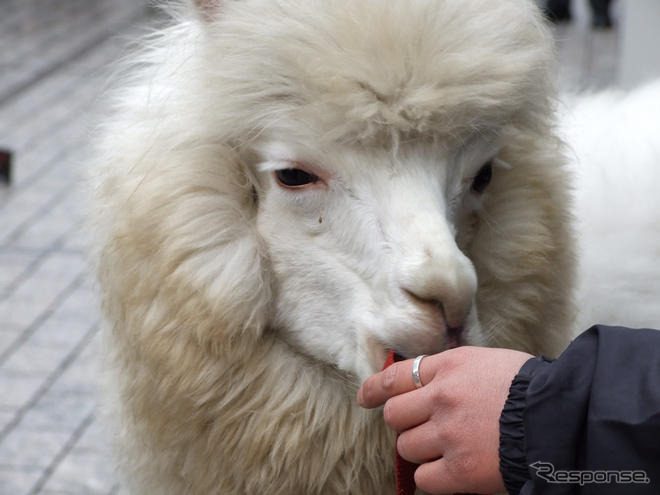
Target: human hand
450,426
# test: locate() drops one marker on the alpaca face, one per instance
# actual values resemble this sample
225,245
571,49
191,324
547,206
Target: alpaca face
363,245
369,243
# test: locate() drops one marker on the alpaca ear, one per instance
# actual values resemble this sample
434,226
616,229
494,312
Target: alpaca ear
208,9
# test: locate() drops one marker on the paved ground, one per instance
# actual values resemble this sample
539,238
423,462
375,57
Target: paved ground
54,63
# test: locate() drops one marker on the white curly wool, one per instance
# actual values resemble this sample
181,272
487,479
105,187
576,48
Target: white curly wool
242,315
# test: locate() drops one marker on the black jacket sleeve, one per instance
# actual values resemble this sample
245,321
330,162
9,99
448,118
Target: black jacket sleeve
589,422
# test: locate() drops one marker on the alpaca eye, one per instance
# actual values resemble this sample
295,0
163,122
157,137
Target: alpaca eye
295,177
483,177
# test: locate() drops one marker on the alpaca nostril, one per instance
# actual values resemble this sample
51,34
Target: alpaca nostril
449,313
434,305
454,328
425,301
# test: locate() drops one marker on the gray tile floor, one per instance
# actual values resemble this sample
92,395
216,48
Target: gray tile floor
55,60
53,65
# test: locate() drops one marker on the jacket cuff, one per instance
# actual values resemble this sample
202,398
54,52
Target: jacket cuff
513,460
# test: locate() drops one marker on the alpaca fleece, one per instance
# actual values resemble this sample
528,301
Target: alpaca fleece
241,317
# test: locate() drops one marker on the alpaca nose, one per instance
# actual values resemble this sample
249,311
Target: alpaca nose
442,279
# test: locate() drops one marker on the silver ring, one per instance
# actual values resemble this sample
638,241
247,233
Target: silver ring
415,371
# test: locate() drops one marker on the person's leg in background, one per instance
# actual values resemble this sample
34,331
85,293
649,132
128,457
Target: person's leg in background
601,13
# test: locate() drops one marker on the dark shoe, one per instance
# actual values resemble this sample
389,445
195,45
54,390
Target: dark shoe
557,10
601,21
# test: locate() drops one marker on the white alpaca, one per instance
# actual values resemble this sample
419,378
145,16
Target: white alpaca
288,189
615,143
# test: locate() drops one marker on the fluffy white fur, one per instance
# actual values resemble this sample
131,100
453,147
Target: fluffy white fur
615,142
242,316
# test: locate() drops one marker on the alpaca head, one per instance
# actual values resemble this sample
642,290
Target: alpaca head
351,177
363,247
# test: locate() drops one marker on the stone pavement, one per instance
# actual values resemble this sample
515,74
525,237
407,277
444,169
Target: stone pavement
55,61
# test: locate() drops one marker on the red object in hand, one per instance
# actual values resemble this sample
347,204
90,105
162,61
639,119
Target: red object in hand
405,470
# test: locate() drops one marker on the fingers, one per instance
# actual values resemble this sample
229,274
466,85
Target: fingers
434,477
395,380
407,410
420,444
